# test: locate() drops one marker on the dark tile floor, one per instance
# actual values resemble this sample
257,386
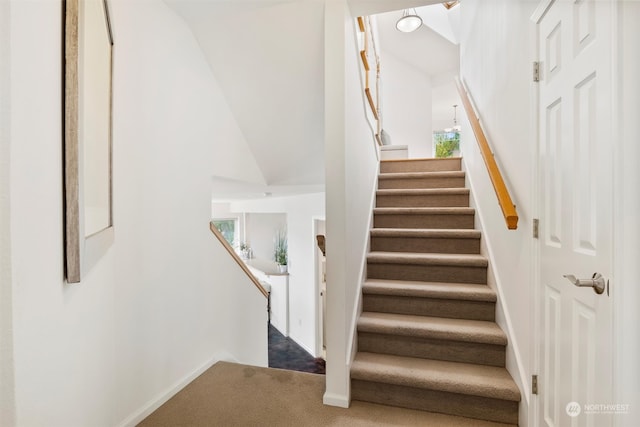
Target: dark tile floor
285,353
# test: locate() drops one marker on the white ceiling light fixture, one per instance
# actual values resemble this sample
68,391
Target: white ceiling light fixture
409,22
456,127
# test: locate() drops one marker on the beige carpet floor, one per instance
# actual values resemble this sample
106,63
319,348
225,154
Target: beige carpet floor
239,395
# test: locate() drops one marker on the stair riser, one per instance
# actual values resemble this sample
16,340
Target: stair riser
428,273
437,221
422,201
484,408
425,245
449,308
408,183
453,351
421,165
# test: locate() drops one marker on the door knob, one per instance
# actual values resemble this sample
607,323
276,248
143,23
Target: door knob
596,282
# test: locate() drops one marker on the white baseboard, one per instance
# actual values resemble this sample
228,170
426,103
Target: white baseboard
338,400
157,401
514,363
357,306
223,356
302,344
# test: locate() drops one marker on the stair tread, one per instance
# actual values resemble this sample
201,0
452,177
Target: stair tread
453,377
421,159
433,174
474,331
437,419
436,290
426,236
458,233
421,165
421,191
463,260
425,210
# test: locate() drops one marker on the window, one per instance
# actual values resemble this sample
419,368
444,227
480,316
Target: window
228,228
446,144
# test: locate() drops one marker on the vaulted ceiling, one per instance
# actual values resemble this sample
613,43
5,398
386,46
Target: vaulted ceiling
268,57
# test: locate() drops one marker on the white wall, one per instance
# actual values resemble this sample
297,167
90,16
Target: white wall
496,48
337,28
165,301
444,96
361,165
270,76
406,105
351,177
261,231
300,214
498,45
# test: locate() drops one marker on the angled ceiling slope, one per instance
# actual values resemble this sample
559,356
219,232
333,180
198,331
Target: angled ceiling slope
268,59
424,49
372,7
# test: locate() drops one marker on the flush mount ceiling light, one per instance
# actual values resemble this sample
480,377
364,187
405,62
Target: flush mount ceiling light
409,22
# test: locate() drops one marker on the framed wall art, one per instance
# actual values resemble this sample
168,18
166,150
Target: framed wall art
87,135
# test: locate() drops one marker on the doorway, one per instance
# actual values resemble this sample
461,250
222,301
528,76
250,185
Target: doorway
319,231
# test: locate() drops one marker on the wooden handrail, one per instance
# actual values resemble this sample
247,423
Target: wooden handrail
504,198
364,25
237,259
372,104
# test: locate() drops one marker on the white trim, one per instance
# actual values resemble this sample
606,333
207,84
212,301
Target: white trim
618,204
7,362
338,400
626,206
160,399
319,316
541,10
302,344
617,209
512,349
357,307
536,315
352,345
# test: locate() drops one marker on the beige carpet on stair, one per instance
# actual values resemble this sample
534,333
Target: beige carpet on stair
230,394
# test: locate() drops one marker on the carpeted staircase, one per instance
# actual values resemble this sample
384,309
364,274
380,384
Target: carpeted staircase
427,337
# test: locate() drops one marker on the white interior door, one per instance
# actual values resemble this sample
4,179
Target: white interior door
575,101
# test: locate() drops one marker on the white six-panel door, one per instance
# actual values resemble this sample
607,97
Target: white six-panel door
575,171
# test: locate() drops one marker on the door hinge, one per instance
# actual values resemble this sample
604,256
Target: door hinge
536,71
536,228
534,384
